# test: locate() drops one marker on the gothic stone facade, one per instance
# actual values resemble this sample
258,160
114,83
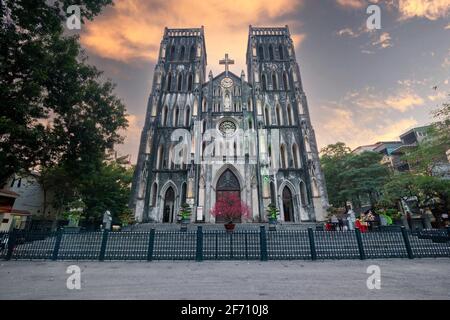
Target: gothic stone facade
270,103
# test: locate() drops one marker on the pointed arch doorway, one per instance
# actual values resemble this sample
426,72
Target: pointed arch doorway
227,184
169,204
288,206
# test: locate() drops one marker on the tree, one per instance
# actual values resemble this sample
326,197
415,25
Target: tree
352,176
332,162
230,207
108,189
407,185
55,111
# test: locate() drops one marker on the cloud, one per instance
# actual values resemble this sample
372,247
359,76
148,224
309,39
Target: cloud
404,101
354,4
342,124
384,41
438,96
133,29
347,32
430,9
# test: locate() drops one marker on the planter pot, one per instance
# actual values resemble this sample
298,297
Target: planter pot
185,220
229,226
272,224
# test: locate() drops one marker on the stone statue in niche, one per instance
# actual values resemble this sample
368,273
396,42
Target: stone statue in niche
227,101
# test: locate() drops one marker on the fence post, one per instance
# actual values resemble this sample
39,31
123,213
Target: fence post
11,244
151,242
199,249
103,247
263,243
362,254
59,235
312,244
407,243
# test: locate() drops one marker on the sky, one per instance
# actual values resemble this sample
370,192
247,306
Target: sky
362,85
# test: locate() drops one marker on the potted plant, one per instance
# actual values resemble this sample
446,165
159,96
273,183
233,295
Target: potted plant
185,216
230,209
272,214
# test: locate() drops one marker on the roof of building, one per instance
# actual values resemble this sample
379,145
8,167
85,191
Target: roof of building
423,128
8,194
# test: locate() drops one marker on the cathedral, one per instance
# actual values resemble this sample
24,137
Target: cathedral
248,134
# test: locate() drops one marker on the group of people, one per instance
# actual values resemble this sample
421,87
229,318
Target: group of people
348,221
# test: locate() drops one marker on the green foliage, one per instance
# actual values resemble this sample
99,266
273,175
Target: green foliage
351,176
55,111
272,211
405,185
432,150
185,211
107,189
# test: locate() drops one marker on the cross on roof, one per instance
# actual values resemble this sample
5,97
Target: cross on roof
226,62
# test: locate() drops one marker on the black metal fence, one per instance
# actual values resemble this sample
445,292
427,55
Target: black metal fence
202,245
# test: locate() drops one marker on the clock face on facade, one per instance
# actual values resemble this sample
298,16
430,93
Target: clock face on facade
227,127
226,82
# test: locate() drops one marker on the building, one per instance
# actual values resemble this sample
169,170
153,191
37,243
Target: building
28,205
11,218
368,147
207,135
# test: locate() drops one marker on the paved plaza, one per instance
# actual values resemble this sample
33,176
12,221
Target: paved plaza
335,279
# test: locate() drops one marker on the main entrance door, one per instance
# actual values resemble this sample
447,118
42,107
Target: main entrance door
169,203
288,208
228,184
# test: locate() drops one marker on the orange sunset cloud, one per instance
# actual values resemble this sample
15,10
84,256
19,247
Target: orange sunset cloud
133,29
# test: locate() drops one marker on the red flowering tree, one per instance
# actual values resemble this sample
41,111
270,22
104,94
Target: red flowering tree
230,208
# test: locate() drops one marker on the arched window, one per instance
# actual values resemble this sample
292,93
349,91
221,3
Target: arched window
204,105
285,81
270,52
279,117
273,196
274,81
281,52
180,82
303,194
192,53
284,163
164,116
290,116
171,158
154,194
176,116
189,84
182,52
203,126
264,82
296,156
172,53
261,52
250,124
187,116
250,105
169,82
160,157
267,116
183,193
